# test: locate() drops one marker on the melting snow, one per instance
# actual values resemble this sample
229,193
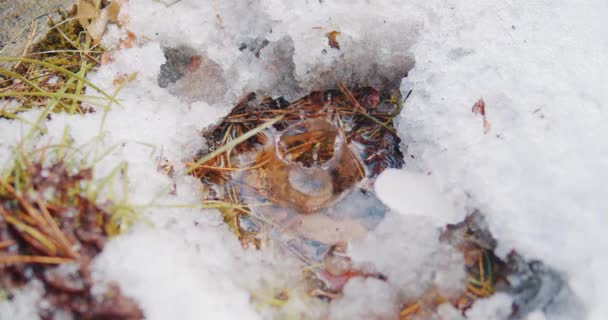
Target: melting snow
538,173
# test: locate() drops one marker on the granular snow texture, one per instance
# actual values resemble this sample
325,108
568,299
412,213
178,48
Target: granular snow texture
537,173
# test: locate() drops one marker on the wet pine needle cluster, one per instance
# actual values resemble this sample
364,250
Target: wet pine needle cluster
52,221
364,117
50,231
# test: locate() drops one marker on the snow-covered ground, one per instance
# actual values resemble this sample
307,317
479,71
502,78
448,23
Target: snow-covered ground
537,171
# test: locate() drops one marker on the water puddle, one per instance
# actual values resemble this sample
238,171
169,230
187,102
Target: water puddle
306,179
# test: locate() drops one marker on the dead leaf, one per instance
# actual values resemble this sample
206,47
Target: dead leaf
480,108
94,19
106,58
124,78
195,63
87,10
332,38
129,41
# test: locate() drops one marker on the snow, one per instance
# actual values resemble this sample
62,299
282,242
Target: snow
23,304
496,307
163,268
538,174
366,299
396,243
414,193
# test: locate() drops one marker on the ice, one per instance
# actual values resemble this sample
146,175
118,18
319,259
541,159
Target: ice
306,183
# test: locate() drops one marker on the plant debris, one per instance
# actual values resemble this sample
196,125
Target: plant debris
94,16
50,231
314,153
480,108
332,39
54,68
531,284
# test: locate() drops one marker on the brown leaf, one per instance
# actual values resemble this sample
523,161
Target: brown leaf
480,108
86,10
332,38
95,19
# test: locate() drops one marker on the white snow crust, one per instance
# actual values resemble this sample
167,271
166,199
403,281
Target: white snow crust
541,68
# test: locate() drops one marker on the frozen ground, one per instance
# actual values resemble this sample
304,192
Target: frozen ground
537,171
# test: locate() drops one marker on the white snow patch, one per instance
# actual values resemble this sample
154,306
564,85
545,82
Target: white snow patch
406,249
366,299
177,273
496,307
24,304
538,174
413,193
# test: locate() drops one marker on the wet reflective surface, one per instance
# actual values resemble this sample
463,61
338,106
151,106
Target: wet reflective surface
306,180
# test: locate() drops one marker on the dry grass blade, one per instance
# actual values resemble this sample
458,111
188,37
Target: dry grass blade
64,71
233,143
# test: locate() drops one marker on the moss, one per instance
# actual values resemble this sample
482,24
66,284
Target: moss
66,45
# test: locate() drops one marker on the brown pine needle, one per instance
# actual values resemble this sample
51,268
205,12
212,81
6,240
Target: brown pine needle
412,309
360,109
61,239
26,206
351,98
34,237
18,259
6,243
